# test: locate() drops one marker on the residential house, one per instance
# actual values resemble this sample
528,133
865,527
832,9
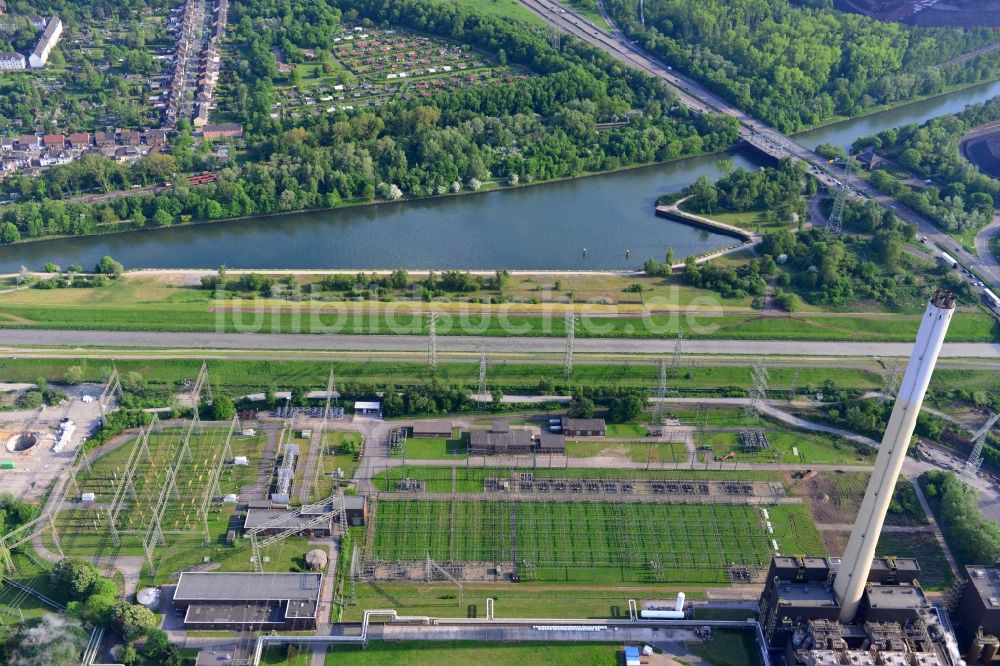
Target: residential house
28,142
130,137
79,140
12,61
7,144
156,137
104,139
47,42
54,141
221,131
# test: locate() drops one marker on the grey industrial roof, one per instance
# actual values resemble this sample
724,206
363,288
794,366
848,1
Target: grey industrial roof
551,440
258,517
218,586
986,581
432,428
582,424
488,438
895,596
807,594
269,612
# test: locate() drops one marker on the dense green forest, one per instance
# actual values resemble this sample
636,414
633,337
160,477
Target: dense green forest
539,127
796,66
972,538
960,196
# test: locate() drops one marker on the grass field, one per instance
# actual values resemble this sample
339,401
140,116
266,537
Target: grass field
153,304
654,452
436,448
435,653
812,448
597,542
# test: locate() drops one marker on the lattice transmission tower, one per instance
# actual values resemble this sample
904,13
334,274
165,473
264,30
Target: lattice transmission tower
432,320
758,389
836,222
570,344
975,461
481,393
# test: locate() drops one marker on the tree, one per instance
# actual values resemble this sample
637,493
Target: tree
221,409
74,577
131,620
623,410
581,407
9,233
74,374
108,266
50,267
159,650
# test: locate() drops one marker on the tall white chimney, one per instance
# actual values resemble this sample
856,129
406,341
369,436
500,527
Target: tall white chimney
849,585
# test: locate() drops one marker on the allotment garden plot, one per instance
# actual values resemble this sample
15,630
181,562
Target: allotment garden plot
596,541
373,67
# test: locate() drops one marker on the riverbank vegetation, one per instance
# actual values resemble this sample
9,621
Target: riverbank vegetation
795,65
795,263
923,167
535,127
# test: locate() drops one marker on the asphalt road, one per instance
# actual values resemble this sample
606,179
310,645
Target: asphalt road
767,139
15,341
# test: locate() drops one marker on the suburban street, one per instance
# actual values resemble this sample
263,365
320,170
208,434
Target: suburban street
15,342
760,135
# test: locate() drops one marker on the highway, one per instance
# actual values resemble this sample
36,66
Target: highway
760,135
28,342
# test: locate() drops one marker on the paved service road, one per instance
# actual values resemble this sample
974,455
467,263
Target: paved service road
15,341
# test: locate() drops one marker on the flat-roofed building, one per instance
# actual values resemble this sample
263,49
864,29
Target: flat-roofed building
238,601
432,429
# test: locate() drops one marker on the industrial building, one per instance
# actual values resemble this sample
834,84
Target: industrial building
978,614
285,475
47,42
500,440
861,609
256,601
432,429
583,427
277,520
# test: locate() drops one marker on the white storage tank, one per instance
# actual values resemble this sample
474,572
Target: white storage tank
662,615
241,460
88,497
149,597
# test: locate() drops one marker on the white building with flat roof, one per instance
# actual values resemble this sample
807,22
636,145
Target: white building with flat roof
47,42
